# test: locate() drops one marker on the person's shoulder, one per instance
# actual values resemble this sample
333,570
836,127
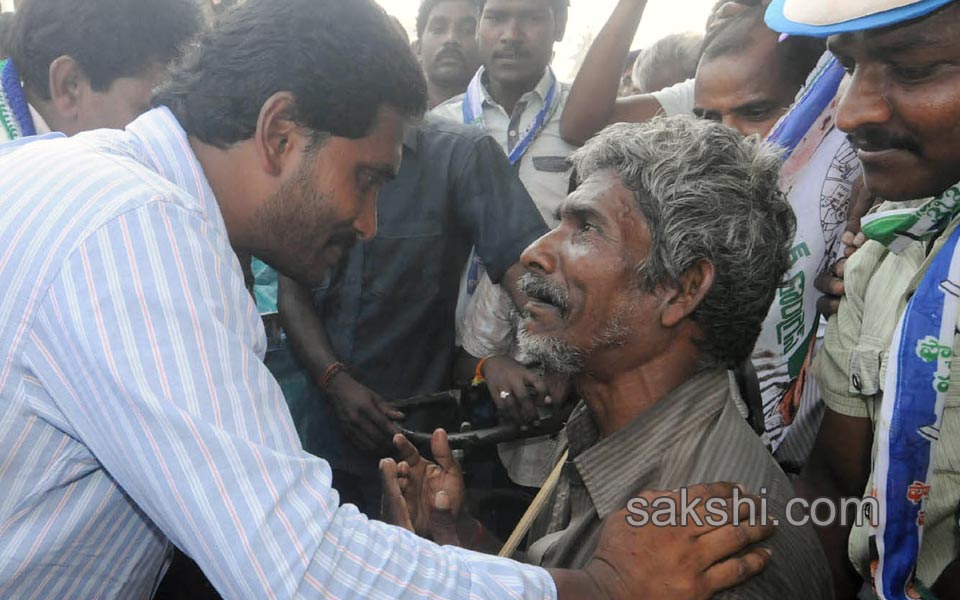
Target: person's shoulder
451,109
99,175
799,569
434,127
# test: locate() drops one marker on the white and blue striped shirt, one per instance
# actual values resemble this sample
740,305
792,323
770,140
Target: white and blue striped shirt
135,410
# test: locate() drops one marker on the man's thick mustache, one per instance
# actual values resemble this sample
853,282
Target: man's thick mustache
540,288
513,53
450,52
872,138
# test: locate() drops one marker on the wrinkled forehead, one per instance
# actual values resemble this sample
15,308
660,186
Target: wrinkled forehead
603,194
937,32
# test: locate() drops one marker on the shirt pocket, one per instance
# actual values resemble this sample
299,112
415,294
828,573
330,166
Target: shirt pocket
403,261
551,164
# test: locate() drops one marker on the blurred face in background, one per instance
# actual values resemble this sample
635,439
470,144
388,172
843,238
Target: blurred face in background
448,46
746,89
516,40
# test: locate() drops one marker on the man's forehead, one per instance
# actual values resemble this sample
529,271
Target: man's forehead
602,192
939,29
454,9
517,5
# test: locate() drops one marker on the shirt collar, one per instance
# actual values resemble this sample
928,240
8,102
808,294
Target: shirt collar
636,452
165,147
540,90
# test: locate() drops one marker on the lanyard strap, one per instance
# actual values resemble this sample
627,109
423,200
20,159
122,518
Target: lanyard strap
473,112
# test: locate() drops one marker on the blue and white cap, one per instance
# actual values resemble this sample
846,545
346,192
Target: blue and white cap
821,18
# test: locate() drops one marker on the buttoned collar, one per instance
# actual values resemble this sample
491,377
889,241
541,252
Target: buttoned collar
539,92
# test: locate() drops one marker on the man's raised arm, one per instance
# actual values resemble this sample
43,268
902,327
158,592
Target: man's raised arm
593,103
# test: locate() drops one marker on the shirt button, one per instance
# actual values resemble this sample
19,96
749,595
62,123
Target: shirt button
512,133
857,384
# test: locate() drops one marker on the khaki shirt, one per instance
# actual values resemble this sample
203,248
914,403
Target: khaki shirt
694,435
851,369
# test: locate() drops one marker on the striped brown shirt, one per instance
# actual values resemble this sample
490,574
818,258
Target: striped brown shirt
694,435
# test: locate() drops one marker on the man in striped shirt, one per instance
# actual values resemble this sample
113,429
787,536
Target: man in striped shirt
135,412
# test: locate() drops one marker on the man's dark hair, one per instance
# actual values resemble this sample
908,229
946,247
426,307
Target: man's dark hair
109,39
427,6
798,54
6,33
340,59
560,8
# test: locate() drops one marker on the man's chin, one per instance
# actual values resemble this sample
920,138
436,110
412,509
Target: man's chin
897,185
554,354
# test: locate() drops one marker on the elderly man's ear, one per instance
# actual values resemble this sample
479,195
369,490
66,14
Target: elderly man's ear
682,299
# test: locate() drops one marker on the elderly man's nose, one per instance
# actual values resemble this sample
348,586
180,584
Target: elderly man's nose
540,255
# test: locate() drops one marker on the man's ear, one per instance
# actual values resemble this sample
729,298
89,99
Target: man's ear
66,80
681,300
277,136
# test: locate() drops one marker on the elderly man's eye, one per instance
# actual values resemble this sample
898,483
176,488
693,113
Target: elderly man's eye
588,227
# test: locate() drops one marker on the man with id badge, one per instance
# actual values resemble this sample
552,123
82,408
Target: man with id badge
515,97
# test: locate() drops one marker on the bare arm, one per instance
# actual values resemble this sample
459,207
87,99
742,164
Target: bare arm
839,467
366,417
593,102
304,328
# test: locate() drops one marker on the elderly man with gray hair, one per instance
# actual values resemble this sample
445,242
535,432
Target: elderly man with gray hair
654,284
668,61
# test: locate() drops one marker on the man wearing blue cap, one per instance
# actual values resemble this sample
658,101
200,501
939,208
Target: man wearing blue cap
886,372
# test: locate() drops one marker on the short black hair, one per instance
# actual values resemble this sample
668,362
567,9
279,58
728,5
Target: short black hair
798,54
109,39
340,59
560,8
427,6
6,33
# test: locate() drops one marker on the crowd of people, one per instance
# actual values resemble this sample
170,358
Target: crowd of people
242,245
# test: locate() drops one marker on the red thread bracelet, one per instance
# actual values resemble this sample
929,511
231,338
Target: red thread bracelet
478,377
329,373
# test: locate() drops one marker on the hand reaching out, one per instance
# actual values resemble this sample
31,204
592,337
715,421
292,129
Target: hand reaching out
412,486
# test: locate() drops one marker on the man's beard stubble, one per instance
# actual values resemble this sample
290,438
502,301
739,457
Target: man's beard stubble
554,354
290,222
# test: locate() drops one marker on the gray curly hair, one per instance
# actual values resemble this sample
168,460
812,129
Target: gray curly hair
706,193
